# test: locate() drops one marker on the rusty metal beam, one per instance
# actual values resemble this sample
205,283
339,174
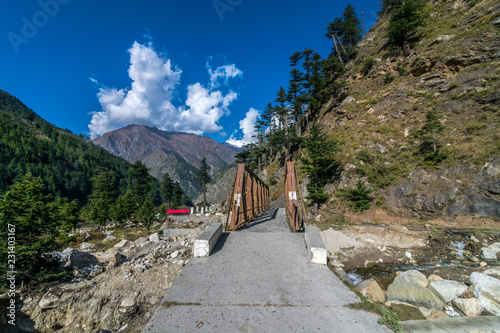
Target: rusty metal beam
250,198
293,198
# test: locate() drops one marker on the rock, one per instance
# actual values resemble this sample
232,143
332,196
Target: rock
447,289
109,238
154,238
494,272
490,252
49,301
87,246
110,257
469,306
450,311
410,287
483,264
80,260
141,240
487,290
348,100
408,255
381,149
174,254
434,277
371,290
123,243
127,303
437,314
442,38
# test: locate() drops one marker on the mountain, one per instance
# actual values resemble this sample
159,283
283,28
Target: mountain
176,153
454,70
236,147
66,162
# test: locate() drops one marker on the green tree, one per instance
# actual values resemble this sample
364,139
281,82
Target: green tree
360,196
405,18
203,177
166,188
124,208
282,112
319,163
66,213
147,213
428,134
350,27
102,198
27,215
141,181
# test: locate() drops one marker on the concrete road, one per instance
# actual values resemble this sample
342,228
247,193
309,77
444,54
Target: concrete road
260,279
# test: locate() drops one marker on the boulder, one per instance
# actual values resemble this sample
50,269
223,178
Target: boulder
490,252
437,314
109,238
448,290
487,290
80,259
141,240
469,306
87,246
123,243
110,257
410,287
494,272
486,283
154,238
371,290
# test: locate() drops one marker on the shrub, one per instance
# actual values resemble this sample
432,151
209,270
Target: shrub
388,78
360,196
367,66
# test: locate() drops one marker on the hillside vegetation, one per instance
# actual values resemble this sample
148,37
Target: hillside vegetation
419,128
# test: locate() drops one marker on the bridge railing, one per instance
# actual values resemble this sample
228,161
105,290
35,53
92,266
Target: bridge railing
250,198
295,208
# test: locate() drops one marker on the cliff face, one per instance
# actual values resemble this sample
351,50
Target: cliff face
178,154
454,70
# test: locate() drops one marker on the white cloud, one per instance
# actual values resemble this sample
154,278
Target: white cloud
149,99
247,127
222,73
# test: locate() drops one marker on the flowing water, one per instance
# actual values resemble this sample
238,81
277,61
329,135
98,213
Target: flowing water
456,255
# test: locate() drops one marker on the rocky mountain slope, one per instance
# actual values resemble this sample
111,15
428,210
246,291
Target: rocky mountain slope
454,70
175,153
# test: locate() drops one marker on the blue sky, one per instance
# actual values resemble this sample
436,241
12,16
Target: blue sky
201,66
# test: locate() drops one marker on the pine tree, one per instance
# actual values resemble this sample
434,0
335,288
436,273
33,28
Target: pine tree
332,31
141,181
147,212
27,214
282,112
319,163
429,145
360,196
350,29
102,198
166,188
405,17
203,177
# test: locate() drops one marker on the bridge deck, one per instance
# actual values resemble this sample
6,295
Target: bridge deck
260,280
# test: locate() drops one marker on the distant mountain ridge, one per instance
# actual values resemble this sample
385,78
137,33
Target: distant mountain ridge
176,153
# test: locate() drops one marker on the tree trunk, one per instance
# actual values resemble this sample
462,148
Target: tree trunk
406,48
336,48
341,45
204,195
